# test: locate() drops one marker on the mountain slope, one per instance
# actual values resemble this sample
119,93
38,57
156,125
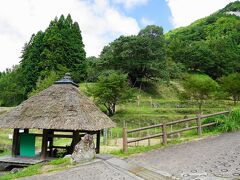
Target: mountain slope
210,45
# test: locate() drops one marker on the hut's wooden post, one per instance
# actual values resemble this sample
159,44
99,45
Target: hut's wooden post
26,131
75,140
125,144
199,124
15,143
44,144
98,142
164,132
76,137
50,139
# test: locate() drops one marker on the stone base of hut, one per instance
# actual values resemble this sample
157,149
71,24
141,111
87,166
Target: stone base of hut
48,149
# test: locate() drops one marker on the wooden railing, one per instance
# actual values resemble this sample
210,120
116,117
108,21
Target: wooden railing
164,132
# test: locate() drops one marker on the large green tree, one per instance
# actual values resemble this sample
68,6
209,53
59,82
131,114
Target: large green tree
110,89
30,64
47,56
141,56
231,84
199,87
11,89
63,46
59,49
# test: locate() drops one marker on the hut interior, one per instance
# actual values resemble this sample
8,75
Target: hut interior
23,144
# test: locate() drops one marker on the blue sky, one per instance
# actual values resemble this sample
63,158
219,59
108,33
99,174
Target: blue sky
155,11
101,21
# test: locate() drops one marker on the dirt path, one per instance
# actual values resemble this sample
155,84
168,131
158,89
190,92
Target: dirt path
217,157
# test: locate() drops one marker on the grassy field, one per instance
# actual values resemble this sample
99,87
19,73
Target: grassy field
156,104
160,103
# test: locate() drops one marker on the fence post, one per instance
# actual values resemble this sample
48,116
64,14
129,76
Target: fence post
125,144
199,124
164,132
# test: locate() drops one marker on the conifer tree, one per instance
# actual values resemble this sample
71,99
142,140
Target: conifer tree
58,49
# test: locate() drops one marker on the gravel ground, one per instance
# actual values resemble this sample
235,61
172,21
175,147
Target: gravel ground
211,158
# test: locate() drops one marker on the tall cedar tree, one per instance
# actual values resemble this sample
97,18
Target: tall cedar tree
59,48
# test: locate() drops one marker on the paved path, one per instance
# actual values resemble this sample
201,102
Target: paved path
212,158
97,170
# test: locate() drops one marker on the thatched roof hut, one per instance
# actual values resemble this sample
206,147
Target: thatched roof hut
61,106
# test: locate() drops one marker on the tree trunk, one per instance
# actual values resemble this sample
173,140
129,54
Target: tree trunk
135,81
235,100
111,109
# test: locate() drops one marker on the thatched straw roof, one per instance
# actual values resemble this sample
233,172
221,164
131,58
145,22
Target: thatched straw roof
61,106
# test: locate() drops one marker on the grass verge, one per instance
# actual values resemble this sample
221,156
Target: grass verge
54,165
188,136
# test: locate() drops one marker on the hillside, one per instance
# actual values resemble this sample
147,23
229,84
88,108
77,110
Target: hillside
210,45
223,22
159,103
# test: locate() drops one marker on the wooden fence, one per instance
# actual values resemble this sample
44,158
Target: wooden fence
164,132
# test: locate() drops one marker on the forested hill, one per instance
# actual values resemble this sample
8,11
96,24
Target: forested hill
210,45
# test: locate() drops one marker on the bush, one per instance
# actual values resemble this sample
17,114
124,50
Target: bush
111,89
231,85
231,122
199,87
219,119
225,123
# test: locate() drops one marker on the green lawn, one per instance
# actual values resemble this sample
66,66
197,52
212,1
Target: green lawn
54,165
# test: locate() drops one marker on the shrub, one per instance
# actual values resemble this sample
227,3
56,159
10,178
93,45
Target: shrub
231,85
231,122
111,89
219,119
199,87
225,123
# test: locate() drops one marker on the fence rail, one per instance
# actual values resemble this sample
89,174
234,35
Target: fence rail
164,134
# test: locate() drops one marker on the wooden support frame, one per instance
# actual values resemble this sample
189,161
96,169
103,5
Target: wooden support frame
98,142
15,143
26,131
48,138
44,144
75,139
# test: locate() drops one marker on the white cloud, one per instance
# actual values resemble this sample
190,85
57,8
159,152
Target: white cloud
185,12
100,23
128,4
145,21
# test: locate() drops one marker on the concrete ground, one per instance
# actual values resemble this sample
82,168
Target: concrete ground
216,157
213,158
96,170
